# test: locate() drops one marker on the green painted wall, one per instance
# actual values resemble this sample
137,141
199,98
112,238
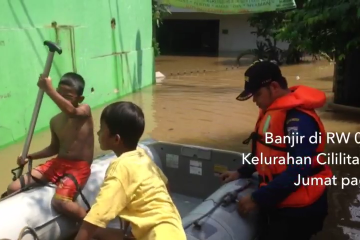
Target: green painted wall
114,61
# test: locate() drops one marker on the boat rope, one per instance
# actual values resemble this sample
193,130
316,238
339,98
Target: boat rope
28,230
18,174
44,183
226,199
78,188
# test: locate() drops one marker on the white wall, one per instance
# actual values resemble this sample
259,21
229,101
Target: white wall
239,37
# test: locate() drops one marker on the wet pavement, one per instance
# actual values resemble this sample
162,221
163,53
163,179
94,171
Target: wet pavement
196,104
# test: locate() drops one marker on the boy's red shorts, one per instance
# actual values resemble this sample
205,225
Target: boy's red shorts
54,169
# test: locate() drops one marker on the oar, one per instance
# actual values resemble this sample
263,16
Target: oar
52,49
17,172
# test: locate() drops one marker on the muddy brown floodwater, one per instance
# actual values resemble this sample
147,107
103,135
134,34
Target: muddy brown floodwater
196,104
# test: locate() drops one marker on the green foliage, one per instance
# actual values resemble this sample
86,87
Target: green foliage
326,28
259,52
293,54
267,24
156,47
159,11
329,27
265,50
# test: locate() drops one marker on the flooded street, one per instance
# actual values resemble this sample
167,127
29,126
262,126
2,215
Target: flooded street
196,104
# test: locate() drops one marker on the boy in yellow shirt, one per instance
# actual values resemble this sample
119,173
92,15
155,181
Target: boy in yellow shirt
133,188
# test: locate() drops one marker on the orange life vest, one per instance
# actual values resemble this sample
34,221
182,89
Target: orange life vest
272,120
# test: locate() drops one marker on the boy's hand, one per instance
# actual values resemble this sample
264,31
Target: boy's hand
44,83
21,161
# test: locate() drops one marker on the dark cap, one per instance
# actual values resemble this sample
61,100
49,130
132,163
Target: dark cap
258,75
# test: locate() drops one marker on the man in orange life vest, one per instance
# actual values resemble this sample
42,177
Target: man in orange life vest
289,210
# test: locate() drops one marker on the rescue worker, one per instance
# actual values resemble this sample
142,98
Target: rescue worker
288,210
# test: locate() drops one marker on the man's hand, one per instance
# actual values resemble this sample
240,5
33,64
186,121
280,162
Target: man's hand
246,205
21,161
229,176
44,83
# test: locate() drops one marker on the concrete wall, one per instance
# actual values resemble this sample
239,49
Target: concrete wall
239,37
114,61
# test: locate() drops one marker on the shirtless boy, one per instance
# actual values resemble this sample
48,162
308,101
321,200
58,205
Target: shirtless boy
72,140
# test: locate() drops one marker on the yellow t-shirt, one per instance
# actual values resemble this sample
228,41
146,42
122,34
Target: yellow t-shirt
134,189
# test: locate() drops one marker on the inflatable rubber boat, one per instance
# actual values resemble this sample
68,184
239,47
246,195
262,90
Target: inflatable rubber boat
207,207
